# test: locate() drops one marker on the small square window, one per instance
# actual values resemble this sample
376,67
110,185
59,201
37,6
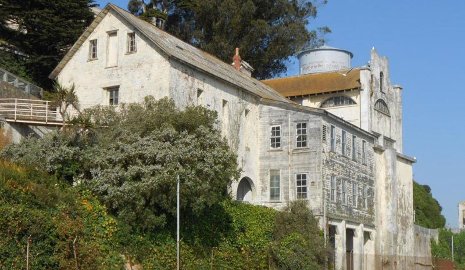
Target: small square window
275,137
93,49
132,42
114,95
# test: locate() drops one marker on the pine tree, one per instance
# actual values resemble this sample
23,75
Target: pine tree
41,32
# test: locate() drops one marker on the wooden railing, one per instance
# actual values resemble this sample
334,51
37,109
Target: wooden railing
29,110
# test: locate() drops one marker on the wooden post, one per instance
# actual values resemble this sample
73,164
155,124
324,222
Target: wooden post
75,253
16,106
177,223
46,112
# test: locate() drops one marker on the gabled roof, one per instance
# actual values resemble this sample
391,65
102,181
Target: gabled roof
179,50
316,83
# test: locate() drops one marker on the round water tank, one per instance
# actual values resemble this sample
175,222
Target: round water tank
323,59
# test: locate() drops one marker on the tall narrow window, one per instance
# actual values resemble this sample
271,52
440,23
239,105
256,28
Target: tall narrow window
112,49
344,192
114,95
365,197
275,187
323,133
93,49
354,149
333,188
364,155
275,137
381,81
344,143
301,135
354,194
333,139
301,184
131,46
199,96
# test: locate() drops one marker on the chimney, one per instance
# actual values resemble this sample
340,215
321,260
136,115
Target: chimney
237,60
241,65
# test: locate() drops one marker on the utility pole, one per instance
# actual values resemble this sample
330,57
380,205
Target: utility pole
452,247
177,222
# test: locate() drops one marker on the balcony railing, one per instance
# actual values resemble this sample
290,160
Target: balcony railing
29,111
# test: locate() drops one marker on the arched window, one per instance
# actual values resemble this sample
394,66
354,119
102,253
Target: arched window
337,101
381,81
382,107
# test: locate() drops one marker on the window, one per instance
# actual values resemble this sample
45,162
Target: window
337,101
333,188
365,197
114,95
301,135
274,185
364,155
333,138
131,42
382,107
354,194
275,137
301,184
381,81
344,192
354,150
344,143
112,49
93,49
199,96
323,133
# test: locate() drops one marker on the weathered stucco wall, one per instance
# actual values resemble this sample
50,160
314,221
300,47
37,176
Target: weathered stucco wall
138,74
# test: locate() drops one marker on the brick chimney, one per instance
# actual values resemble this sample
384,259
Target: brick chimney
241,65
237,60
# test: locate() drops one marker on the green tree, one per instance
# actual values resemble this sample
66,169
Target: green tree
131,156
298,243
267,32
427,209
39,32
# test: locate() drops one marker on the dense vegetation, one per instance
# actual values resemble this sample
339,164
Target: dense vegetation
443,249
127,173
267,32
427,209
35,34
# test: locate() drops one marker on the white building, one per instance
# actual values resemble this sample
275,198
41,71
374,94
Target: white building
461,215
340,148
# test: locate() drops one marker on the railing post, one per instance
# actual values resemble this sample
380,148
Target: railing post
32,104
16,106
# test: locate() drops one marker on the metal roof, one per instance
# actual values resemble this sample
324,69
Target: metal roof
181,51
316,83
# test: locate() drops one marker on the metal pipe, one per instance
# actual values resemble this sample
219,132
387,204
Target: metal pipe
177,222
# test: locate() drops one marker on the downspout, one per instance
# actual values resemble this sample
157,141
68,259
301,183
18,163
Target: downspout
289,157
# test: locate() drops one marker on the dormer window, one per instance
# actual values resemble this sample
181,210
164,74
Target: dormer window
131,42
337,101
93,49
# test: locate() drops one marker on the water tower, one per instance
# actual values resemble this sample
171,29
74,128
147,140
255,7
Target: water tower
323,59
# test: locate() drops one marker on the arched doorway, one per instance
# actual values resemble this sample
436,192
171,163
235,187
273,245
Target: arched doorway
244,190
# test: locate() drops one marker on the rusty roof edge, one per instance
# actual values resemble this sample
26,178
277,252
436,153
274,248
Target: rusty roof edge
319,111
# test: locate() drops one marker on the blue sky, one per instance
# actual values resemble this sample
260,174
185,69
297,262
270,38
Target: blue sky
425,44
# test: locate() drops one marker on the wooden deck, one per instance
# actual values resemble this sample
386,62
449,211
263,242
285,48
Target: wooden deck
30,111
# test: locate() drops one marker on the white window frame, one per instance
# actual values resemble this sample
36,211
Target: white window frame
344,142
301,137
131,43
344,192
365,197
275,137
111,95
354,194
302,187
275,173
333,190
93,49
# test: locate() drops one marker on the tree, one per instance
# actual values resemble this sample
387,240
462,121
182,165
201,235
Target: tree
427,209
267,32
298,243
40,32
64,98
131,156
